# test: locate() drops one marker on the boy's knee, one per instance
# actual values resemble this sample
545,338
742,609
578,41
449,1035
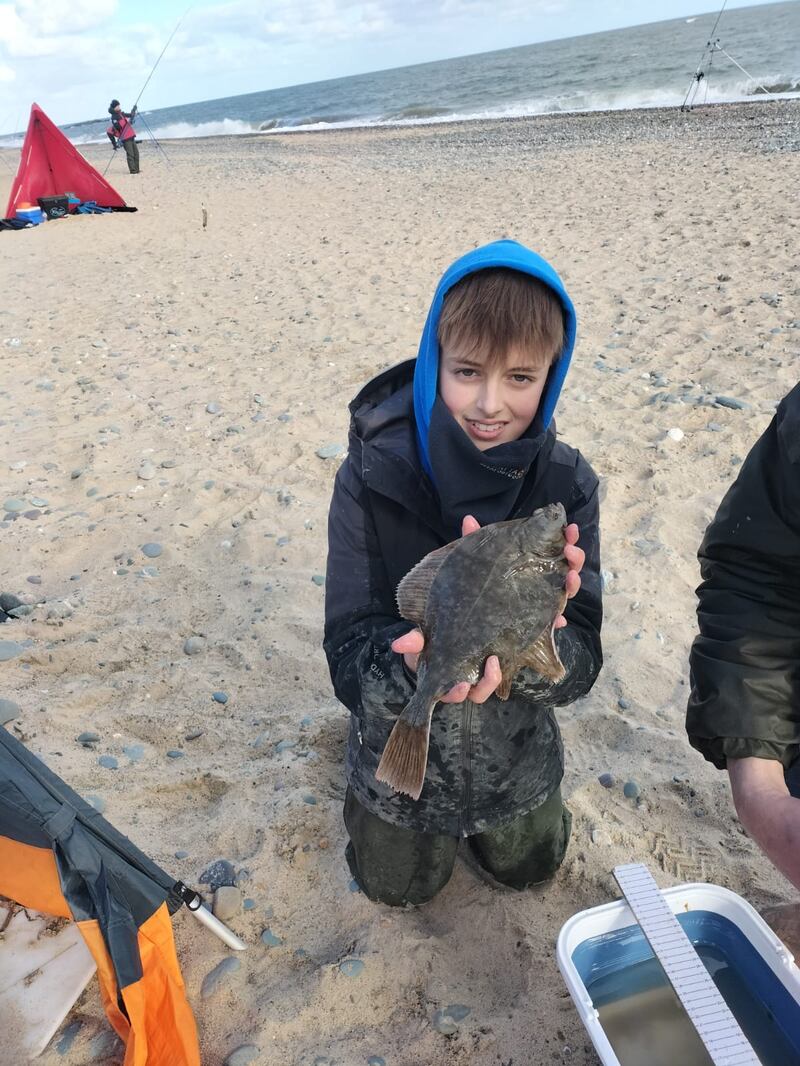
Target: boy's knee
531,850
393,865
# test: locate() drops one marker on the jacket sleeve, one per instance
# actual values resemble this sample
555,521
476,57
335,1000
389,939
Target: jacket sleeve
745,662
578,643
361,619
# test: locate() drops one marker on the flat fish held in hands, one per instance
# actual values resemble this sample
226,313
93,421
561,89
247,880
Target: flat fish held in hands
496,591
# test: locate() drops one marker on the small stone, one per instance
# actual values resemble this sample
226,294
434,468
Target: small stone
194,646
219,873
249,904
351,967
219,697
243,1055
152,550
285,745
354,886
318,579
67,1039
606,580
331,451
606,780
594,835
623,704
732,403
169,464
13,505
269,938
97,802
181,854
194,735
147,471
227,902
284,417
135,752
175,753
76,473
715,427
675,433
108,762
214,408
376,1060
631,790
9,602
310,800
8,711
212,980
9,649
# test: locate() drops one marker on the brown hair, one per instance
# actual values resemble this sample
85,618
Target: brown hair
489,312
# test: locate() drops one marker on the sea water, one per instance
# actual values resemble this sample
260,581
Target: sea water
639,66
643,1018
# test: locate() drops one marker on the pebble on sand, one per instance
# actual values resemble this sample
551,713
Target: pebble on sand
108,762
446,1019
269,938
194,645
9,649
8,711
147,471
243,1055
351,967
152,550
631,790
219,697
606,780
331,451
212,980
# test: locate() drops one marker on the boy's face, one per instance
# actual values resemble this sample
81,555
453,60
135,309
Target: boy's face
493,405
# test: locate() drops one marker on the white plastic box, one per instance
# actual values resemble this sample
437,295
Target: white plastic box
611,917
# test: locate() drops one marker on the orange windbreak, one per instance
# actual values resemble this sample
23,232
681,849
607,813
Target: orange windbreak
28,875
160,1029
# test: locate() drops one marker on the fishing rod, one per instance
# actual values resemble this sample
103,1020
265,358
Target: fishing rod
699,74
152,72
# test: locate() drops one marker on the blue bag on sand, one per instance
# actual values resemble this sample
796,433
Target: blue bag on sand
91,208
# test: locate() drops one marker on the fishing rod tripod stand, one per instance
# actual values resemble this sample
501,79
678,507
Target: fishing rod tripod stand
704,70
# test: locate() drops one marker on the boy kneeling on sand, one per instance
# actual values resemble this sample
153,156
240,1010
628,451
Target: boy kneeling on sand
460,437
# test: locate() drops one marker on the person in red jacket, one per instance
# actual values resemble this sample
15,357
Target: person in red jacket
121,131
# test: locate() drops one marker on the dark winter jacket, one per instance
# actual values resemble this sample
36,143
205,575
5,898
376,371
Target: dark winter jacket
488,763
745,664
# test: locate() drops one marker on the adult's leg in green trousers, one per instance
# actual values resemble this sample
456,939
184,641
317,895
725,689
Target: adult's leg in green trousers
394,865
529,849
132,152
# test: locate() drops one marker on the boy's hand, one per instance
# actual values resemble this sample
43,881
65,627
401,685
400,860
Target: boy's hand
411,644
575,557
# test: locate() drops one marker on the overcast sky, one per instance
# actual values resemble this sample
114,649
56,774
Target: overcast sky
72,56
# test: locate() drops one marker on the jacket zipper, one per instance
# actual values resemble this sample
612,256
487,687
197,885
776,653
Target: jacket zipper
466,764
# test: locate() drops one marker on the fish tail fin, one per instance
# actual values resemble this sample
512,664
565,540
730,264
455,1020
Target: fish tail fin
405,757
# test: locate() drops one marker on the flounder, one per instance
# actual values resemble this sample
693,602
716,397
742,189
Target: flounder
496,591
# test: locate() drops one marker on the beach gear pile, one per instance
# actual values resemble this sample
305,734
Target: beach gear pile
59,856
54,180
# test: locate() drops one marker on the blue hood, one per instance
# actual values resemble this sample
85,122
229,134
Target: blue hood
514,256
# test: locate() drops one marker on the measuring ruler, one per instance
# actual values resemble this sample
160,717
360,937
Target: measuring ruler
709,1013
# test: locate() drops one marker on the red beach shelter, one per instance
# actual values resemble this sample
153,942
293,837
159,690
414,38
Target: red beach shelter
51,165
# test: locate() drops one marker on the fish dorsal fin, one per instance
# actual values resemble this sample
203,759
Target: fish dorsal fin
414,589
542,656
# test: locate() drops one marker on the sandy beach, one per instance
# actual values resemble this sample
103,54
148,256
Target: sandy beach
170,385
